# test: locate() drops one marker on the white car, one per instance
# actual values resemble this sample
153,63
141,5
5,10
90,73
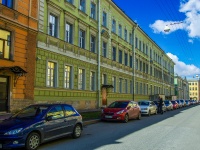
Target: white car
147,107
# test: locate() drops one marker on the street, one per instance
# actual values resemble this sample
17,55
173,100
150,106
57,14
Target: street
174,130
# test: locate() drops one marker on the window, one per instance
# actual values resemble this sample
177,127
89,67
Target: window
125,35
69,111
114,83
120,85
81,38
126,86
136,64
53,24
51,74
130,38
92,81
114,53
81,79
120,30
104,79
131,87
125,59
68,77
8,3
104,49
120,56
131,61
92,44
104,19
5,44
71,1
82,5
56,113
93,10
113,26
136,42
69,33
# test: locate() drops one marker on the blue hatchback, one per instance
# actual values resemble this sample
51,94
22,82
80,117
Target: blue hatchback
39,123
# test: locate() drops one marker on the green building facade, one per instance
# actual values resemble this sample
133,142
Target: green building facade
89,53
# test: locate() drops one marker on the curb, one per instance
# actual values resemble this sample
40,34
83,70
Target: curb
91,122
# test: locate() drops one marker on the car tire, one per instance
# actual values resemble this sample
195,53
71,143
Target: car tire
139,116
32,141
77,131
126,118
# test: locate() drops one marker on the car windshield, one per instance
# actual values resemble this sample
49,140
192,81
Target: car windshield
30,112
143,103
173,102
118,105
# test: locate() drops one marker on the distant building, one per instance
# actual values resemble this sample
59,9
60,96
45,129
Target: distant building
194,89
181,87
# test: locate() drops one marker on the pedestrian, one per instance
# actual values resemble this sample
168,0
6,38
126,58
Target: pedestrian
160,105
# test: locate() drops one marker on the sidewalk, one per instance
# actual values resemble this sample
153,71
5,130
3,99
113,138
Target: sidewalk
4,116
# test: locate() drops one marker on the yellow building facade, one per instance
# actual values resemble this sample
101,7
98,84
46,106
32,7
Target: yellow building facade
194,88
89,53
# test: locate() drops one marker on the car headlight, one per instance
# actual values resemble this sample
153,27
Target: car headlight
13,132
120,112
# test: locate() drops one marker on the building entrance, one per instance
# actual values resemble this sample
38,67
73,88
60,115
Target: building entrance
4,94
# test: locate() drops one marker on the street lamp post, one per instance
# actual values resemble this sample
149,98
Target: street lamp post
167,28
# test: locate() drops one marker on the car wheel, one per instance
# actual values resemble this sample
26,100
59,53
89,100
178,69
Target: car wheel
77,131
139,116
149,114
32,141
126,118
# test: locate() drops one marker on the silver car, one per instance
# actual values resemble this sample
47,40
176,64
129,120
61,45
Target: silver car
147,107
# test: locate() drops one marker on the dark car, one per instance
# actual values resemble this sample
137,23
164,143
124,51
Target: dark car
39,123
121,110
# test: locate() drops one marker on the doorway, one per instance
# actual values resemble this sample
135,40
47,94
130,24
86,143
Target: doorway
4,93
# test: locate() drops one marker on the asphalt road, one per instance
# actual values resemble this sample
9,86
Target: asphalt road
174,130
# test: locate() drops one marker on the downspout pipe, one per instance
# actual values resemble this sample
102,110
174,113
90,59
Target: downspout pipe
133,60
99,52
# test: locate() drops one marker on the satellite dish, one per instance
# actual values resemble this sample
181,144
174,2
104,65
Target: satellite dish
166,29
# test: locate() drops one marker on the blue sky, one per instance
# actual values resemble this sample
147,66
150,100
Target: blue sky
182,42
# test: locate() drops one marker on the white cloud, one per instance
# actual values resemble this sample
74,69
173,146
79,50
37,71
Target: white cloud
191,9
183,69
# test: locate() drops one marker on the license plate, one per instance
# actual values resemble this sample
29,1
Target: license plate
1,146
108,116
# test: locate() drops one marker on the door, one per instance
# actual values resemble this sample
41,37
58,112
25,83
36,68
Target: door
104,96
57,125
3,93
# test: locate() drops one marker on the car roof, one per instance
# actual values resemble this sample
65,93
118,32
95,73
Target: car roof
53,104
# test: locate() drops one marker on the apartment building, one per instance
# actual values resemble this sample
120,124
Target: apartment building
18,32
181,87
194,89
90,53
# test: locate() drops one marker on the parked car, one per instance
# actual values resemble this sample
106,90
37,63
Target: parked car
180,105
169,105
183,102
187,102
122,111
147,107
164,108
39,123
175,104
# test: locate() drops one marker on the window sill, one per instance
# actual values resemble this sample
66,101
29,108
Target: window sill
82,13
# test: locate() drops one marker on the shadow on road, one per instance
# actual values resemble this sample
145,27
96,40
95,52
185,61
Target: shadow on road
110,131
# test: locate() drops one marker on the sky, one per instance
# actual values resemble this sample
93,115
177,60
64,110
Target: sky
182,42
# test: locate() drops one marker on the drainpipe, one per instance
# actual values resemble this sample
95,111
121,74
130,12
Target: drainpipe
133,60
99,52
